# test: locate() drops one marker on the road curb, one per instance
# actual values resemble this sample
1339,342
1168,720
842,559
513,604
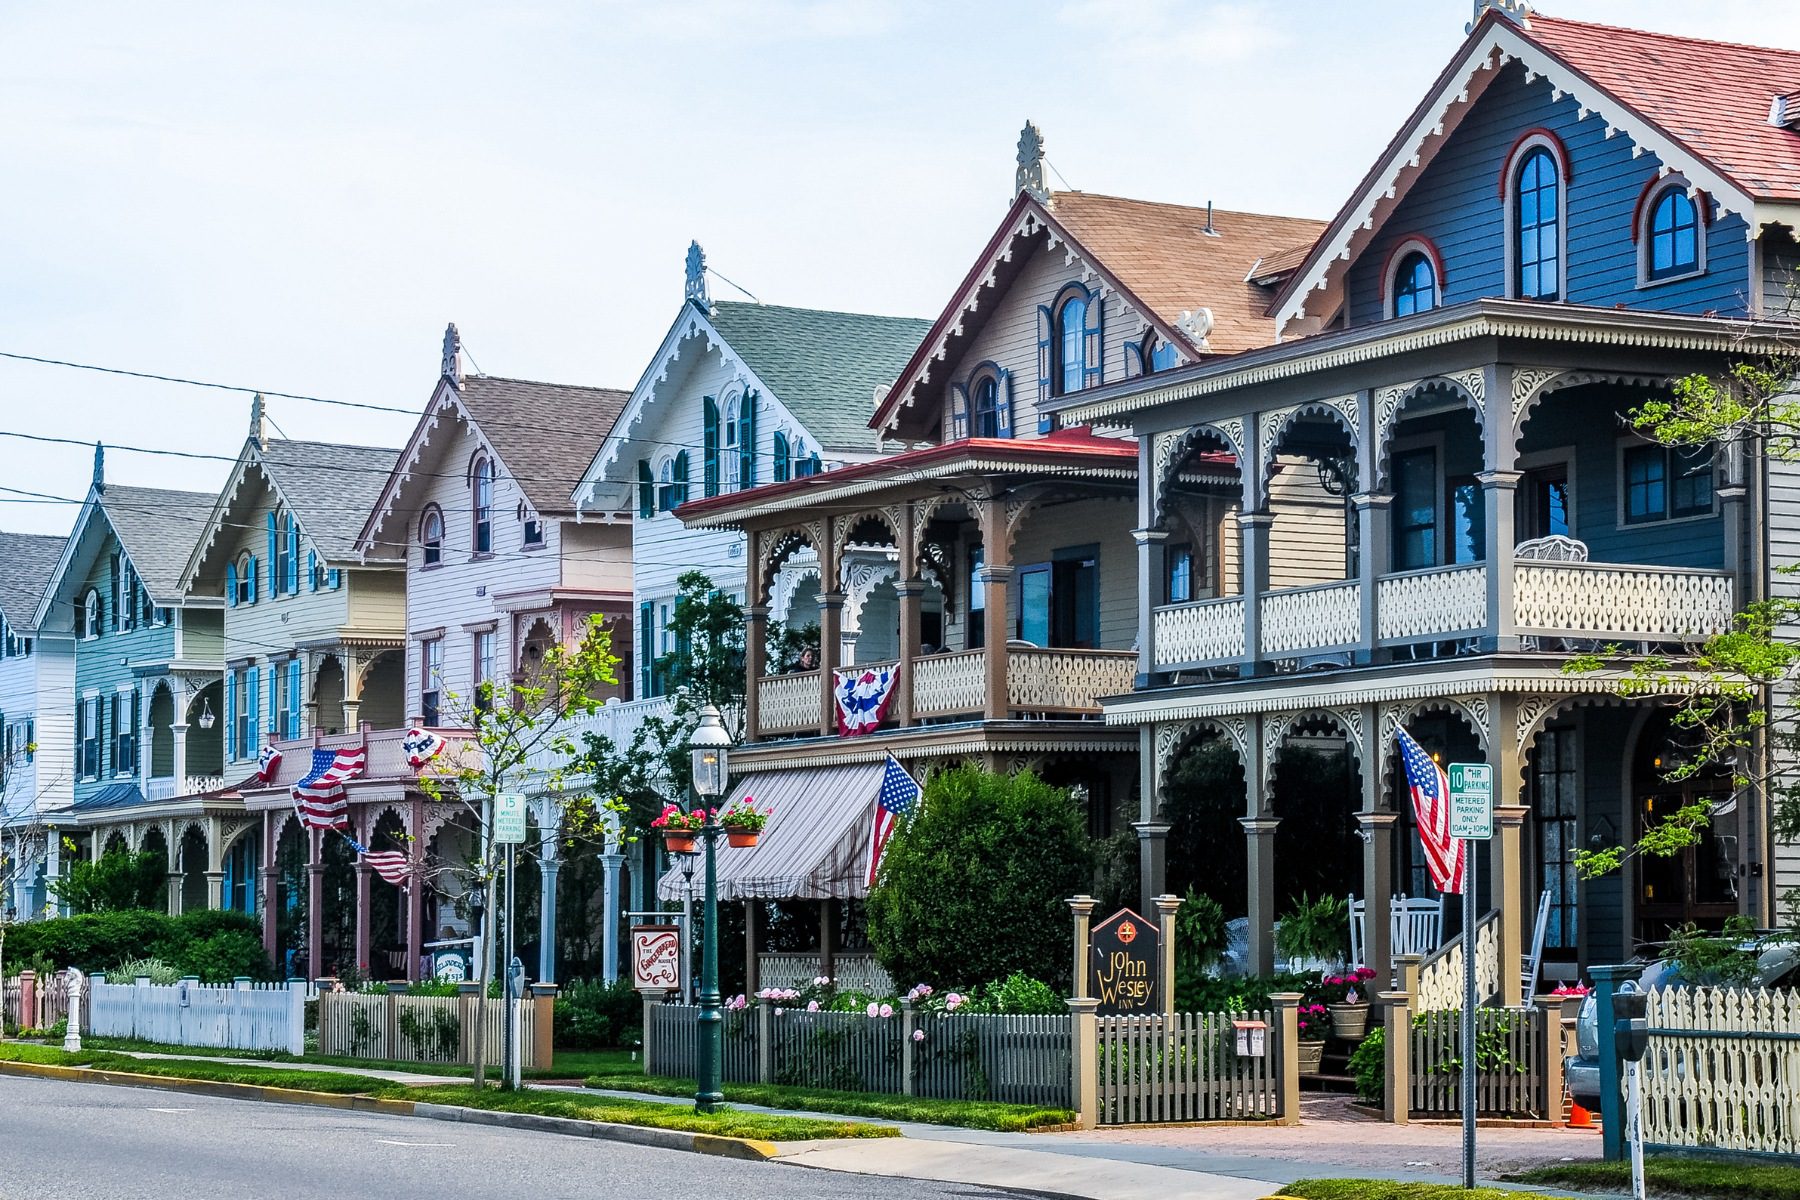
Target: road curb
639,1135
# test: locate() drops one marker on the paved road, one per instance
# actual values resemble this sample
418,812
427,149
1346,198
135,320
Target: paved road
80,1141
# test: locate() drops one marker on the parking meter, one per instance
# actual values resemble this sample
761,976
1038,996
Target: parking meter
1631,1024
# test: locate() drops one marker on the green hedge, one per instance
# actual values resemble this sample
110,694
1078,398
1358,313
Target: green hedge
216,946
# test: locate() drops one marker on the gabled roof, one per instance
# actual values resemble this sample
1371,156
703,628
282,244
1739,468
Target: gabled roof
27,563
544,433
824,367
158,529
1160,258
1701,107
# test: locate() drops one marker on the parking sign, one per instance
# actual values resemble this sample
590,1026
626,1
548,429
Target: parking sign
1471,801
509,818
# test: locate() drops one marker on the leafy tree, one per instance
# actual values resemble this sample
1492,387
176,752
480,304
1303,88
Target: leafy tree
973,885
115,882
707,628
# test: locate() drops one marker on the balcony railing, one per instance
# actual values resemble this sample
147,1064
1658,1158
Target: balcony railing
167,787
1413,605
788,703
1325,617
1066,681
1612,600
949,685
1205,631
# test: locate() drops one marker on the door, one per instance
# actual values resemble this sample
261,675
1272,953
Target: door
1544,505
1035,587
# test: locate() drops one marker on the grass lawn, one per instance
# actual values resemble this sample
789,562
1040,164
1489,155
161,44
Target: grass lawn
1676,1175
652,1113
568,1064
1388,1189
969,1114
270,1076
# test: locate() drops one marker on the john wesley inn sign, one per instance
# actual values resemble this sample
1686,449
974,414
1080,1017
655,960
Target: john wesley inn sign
1123,955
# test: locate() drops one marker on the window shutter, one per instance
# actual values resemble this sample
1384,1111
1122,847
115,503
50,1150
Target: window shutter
293,729
231,585
1003,404
101,755
710,447
1135,362
115,592
681,479
274,557
253,592
780,471
312,570
646,648
959,412
253,698
1093,358
80,737
230,715
747,442
137,726
646,490
334,579
293,558
274,699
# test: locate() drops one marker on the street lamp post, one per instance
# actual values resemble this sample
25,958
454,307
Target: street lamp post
711,751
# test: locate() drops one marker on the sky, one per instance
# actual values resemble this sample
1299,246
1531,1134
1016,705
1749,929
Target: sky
298,198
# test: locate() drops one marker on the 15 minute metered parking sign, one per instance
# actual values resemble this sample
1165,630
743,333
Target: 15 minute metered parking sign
1471,801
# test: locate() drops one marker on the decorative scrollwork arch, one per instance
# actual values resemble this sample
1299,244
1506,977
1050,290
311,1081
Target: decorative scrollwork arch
1530,385
1474,712
1468,386
1174,739
1171,449
1273,427
775,547
890,516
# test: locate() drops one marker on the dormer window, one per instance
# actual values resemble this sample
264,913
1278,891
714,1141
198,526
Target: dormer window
1534,190
531,528
482,498
1671,242
1413,285
431,536
985,417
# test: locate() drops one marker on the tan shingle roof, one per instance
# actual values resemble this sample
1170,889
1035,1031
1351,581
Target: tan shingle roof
545,433
1163,253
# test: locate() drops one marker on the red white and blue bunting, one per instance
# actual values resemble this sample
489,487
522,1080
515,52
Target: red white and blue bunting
421,746
863,696
267,764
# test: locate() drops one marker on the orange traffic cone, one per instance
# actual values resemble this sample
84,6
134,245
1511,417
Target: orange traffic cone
1580,1118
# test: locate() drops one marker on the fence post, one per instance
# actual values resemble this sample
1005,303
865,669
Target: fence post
1406,973
1165,924
1084,1061
649,1031
1083,908
1396,1098
28,1013
1612,1104
909,1021
1550,1045
765,1042
296,1018
1287,1045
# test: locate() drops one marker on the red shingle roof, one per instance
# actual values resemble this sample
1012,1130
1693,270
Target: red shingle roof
1712,97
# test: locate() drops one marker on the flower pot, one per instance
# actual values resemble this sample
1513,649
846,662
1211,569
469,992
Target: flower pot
1312,1056
741,838
1349,1021
678,841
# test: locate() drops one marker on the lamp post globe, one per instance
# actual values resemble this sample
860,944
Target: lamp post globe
711,746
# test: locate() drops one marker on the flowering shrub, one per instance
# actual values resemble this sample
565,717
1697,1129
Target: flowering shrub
1569,989
743,816
1351,987
1315,1022
673,820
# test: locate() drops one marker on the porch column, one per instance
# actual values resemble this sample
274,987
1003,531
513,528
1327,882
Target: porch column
53,868
415,892
611,861
1377,829
831,627
1253,533
1507,873
828,938
271,892
178,744
548,868
756,665
912,596
1153,848
315,900
1498,492
1373,527
751,982
353,685
996,581
1259,845
363,872
1152,547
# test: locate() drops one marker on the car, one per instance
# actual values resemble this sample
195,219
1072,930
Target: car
1777,965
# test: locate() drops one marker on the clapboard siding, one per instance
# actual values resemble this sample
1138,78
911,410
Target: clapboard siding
1456,202
40,687
1784,549
1105,524
1009,338
597,555
376,599
1307,540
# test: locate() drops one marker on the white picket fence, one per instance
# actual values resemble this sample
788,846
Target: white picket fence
436,1029
1723,1069
238,1016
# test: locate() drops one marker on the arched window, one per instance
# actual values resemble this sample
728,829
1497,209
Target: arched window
89,615
246,578
1415,284
985,419
1671,236
482,491
733,407
431,536
1537,222
1071,343
531,527
665,486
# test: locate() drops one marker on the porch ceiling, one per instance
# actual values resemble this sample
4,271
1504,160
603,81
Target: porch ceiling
957,739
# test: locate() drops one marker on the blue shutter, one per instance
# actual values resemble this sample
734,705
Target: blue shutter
710,447
137,726
779,473
1003,403
312,570
253,697
333,578
81,738
274,557
113,596
646,490
253,585
1093,357
293,558
274,700
646,649
231,585
959,411
230,715
293,729
747,441
1046,353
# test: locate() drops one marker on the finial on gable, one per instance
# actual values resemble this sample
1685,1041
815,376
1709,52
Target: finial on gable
1029,178
695,290
452,365
1516,11
99,466
259,421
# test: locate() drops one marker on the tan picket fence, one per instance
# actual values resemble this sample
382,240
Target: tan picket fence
1183,1068
1511,1078
1723,1069
434,1029
34,1001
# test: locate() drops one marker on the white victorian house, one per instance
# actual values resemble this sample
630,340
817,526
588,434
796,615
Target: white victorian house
37,725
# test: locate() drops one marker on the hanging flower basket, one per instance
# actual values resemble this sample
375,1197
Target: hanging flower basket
679,829
743,839
1312,1056
744,822
678,841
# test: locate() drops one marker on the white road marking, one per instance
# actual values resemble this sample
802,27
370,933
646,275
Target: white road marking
424,1145
171,1110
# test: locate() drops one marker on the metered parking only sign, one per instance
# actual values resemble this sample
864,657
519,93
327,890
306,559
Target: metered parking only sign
1471,801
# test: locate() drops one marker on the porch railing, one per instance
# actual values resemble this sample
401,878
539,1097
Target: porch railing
1203,632
1066,681
1325,617
386,761
788,703
167,787
616,719
1620,600
1442,600
1441,974
947,685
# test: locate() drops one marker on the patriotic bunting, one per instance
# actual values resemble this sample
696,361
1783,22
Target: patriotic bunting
421,746
267,764
863,697
319,798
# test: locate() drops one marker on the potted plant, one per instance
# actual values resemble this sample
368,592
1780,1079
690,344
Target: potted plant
1314,1023
1347,999
679,829
743,823
1314,935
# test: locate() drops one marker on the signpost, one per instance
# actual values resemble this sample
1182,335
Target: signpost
1123,963
509,831
1472,820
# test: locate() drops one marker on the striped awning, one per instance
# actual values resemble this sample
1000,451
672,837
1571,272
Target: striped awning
815,846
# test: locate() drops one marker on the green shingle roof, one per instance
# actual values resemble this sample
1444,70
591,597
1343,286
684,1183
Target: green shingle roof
823,366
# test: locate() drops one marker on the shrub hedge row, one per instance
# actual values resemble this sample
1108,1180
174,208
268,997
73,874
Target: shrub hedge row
216,946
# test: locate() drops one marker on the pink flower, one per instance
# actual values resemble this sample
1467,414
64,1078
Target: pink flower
918,1035
887,1010
812,1006
874,1009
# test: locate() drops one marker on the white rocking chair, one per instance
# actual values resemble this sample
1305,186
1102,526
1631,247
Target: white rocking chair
1415,926
1533,964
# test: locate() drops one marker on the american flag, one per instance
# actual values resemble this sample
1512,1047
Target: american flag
1431,812
898,797
319,796
392,865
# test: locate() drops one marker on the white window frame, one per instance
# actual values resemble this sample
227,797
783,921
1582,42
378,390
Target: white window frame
1629,442
1508,208
730,412
1410,245
90,611
1642,232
